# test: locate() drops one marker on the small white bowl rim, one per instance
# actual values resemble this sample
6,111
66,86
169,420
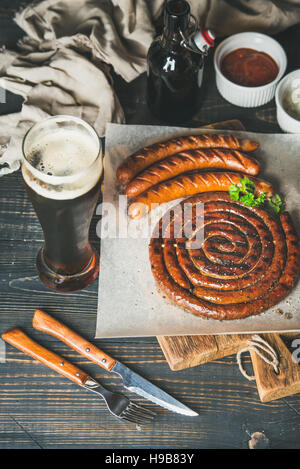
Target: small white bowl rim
282,68
277,100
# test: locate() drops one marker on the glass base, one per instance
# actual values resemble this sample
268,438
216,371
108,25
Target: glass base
65,283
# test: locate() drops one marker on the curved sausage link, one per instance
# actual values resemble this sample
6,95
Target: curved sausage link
149,155
187,185
191,160
270,286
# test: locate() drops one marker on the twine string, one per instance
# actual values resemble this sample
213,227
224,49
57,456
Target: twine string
258,345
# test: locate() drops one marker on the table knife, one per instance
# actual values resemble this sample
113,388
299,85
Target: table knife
131,380
116,403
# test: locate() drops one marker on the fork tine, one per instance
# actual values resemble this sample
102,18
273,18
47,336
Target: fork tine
140,413
143,409
127,419
137,417
120,405
129,413
132,419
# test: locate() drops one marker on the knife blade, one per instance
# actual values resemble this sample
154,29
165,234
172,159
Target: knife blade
131,380
117,404
135,383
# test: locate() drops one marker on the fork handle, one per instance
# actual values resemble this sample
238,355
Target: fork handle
21,341
46,323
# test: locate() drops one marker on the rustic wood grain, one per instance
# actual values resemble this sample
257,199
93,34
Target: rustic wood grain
45,323
40,409
270,385
188,351
18,339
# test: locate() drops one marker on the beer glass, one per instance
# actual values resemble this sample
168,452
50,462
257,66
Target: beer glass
62,168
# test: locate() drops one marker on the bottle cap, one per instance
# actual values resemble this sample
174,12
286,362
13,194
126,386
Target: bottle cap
177,15
204,39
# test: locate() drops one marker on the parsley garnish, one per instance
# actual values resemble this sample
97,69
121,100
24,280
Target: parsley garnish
234,192
276,204
245,194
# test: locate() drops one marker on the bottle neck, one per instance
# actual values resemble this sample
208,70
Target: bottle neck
176,19
171,37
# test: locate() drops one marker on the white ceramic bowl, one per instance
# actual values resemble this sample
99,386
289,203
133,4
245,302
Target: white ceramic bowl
246,96
285,121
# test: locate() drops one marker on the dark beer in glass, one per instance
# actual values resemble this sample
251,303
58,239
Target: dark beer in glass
62,168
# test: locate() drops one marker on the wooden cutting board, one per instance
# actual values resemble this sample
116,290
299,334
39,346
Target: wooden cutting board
188,351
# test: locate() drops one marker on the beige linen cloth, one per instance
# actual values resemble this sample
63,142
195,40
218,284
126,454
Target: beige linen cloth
63,63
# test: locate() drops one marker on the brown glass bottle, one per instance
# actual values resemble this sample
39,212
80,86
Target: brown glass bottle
174,73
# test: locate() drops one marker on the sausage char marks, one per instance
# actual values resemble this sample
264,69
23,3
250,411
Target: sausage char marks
186,185
151,154
246,262
191,160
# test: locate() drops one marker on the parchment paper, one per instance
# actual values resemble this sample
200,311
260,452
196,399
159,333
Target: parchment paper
128,302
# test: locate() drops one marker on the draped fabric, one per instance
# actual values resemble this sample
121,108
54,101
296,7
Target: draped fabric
63,64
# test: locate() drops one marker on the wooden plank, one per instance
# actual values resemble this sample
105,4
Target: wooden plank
188,351
59,414
41,409
18,220
270,385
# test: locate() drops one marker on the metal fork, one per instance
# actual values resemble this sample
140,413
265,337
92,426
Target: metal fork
119,405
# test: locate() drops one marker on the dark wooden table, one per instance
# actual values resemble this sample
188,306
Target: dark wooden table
40,409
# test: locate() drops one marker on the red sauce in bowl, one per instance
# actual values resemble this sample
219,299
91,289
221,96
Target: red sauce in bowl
249,67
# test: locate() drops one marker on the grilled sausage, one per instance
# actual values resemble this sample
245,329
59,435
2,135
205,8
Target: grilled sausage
149,155
186,185
191,160
275,273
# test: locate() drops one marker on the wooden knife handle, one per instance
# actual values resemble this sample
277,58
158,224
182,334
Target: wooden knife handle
44,322
21,341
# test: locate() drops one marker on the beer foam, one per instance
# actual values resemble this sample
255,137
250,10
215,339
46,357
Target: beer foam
63,163
63,153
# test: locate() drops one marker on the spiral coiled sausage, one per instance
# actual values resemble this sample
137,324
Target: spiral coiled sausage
247,262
